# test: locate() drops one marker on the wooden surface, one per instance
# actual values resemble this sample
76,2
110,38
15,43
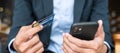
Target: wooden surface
3,38
3,41
116,38
2,35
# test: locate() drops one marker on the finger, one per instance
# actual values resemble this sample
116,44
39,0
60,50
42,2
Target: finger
99,36
21,32
35,48
100,28
67,48
76,49
84,50
64,50
29,34
26,28
41,50
72,46
33,31
67,45
81,43
29,44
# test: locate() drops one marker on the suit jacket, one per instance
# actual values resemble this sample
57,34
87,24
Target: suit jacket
27,11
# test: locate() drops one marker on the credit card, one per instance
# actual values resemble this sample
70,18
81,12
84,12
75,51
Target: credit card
47,20
44,21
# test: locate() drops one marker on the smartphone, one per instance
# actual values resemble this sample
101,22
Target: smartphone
84,30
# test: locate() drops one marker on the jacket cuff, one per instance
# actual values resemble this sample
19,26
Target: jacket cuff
108,47
10,47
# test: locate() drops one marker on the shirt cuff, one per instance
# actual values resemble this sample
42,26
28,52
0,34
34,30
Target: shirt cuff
9,48
108,46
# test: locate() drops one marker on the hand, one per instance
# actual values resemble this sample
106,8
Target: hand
75,45
27,40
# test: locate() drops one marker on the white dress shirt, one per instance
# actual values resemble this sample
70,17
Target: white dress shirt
63,19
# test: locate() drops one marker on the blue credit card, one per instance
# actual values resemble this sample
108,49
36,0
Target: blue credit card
47,20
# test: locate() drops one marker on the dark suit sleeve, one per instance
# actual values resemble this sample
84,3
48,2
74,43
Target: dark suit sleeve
21,17
100,12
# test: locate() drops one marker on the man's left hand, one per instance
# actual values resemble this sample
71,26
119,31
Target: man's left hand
75,45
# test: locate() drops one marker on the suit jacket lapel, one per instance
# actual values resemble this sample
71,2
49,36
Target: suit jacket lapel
48,7
42,8
78,9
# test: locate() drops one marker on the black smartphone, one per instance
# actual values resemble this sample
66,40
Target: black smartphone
84,30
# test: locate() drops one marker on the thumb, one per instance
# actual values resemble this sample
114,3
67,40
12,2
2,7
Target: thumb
36,27
100,32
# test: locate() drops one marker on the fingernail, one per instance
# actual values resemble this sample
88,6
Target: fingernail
35,24
100,22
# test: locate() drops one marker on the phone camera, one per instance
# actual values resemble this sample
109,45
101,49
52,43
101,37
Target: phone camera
77,29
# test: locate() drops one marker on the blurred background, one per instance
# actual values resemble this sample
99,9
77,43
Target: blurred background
6,11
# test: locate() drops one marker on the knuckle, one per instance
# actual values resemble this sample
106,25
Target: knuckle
71,51
95,48
37,39
42,49
74,48
23,27
93,51
29,51
80,44
28,34
40,44
21,48
90,51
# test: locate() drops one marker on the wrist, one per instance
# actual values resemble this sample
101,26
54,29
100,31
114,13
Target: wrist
108,47
13,47
10,46
105,48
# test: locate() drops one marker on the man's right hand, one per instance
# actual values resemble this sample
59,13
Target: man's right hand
27,40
